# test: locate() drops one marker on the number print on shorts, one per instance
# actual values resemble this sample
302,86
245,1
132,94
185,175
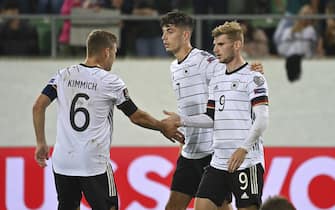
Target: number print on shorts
74,111
222,102
243,179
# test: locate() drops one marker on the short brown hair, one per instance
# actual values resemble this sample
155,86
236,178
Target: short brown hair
232,29
277,203
98,40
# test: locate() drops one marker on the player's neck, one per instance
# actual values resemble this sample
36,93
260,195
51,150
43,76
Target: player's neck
92,61
236,63
183,53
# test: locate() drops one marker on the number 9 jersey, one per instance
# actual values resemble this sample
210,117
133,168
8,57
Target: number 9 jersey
86,97
235,94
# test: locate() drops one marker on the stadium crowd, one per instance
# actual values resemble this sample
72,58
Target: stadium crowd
142,38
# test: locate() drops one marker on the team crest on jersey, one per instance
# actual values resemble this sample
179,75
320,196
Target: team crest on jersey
126,94
234,84
258,80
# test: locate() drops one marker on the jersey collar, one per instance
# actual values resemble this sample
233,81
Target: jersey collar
88,66
236,70
179,62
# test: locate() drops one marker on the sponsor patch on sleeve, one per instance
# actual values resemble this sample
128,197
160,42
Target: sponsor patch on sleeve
126,94
258,80
259,90
210,59
52,81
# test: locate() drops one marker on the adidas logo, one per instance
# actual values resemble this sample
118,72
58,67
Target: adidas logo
244,196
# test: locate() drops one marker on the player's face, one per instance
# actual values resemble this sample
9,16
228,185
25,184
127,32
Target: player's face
173,38
224,49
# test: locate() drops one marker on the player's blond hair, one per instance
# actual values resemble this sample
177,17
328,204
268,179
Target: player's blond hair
98,40
232,29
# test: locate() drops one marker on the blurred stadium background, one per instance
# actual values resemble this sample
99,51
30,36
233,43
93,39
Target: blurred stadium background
300,148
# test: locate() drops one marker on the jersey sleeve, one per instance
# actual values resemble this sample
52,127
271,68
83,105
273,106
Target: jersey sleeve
54,79
50,89
211,88
208,65
210,110
114,88
258,89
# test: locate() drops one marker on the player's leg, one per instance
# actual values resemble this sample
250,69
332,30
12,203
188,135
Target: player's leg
178,201
100,191
213,189
253,207
204,204
68,192
185,182
226,205
247,187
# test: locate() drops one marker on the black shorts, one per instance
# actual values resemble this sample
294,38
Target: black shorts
100,191
246,185
188,173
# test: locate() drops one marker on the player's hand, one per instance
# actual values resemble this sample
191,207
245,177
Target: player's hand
257,66
173,135
236,159
170,127
41,154
172,118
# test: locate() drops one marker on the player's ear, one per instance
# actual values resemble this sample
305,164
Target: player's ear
237,44
187,35
105,52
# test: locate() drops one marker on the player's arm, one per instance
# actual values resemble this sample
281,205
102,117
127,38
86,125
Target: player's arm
39,108
261,112
145,120
205,120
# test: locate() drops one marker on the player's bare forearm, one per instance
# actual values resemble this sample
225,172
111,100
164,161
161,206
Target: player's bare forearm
145,120
39,109
42,150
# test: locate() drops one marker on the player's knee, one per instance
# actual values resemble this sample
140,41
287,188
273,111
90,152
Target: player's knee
171,206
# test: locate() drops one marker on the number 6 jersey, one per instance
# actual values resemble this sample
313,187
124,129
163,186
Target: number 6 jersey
85,101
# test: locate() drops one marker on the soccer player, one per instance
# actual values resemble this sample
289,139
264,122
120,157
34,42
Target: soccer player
191,73
277,203
86,95
237,110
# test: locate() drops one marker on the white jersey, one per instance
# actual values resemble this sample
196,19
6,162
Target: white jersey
234,94
190,80
85,100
